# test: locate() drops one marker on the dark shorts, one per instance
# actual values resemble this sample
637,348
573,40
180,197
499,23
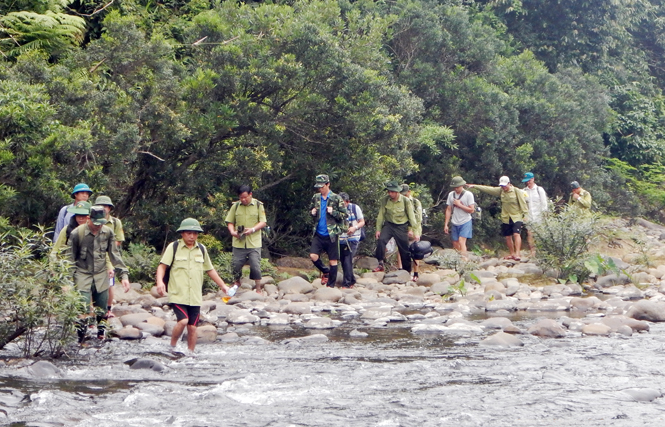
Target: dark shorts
323,244
511,228
250,256
190,312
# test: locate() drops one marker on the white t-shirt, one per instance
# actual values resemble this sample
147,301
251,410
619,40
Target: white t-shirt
460,217
537,202
352,209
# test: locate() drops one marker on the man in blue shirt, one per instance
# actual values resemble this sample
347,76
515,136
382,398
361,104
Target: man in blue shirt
330,213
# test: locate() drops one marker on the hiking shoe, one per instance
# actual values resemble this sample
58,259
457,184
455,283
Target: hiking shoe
379,269
324,279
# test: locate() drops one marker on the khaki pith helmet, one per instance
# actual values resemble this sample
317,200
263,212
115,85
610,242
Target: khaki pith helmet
104,200
457,181
190,224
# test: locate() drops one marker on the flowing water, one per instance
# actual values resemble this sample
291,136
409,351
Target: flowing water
390,378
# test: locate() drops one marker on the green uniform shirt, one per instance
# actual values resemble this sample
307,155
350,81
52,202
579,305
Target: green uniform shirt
116,225
513,202
186,277
583,202
398,212
60,246
89,253
247,216
418,212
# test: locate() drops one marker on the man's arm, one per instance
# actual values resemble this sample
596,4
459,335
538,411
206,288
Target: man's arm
159,279
339,209
449,211
379,218
60,222
493,191
116,259
585,200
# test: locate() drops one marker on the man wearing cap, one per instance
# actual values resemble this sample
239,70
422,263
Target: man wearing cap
460,206
350,239
417,230
89,246
396,220
81,212
330,212
245,220
514,211
188,260
80,193
579,197
537,202
116,225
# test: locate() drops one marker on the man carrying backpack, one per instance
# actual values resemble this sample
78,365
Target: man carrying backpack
245,220
187,260
461,205
350,239
116,225
537,202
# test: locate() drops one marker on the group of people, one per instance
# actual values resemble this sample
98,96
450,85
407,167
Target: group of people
93,237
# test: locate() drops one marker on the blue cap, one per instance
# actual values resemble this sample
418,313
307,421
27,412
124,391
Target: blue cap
80,188
527,176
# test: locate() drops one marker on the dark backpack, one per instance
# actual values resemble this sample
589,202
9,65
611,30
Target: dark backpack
167,273
355,214
420,249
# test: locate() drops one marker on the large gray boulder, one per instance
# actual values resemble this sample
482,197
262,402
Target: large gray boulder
647,310
144,363
547,328
206,334
596,329
295,285
611,280
399,276
134,319
616,322
154,330
128,333
327,294
428,279
298,308
44,369
367,263
241,316
502,339
319,323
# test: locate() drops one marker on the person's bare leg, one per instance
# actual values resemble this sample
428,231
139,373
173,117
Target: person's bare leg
177,331
518,244
191,337
457,246
399,261
258,287
462,246
509,243
532,244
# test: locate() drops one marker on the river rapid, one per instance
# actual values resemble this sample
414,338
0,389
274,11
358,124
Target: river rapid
390,378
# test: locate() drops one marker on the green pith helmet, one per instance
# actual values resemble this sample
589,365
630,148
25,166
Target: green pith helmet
98,215
321,180
104,200
457,181
393,186
190,224
405,189
81,208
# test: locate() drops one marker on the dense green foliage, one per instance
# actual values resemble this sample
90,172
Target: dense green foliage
168,107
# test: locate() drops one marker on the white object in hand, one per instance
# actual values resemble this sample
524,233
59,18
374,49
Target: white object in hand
232,290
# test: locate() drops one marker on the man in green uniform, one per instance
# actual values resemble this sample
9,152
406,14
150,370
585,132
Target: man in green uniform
396,220
417,230
579,197
514,211
245,220
89,246
330,212
188,260
116,225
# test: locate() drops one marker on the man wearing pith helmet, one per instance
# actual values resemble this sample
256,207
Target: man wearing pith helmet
116,225
89,246
80,193
188,260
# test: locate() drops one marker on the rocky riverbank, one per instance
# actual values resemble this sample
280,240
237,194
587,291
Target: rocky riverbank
480,302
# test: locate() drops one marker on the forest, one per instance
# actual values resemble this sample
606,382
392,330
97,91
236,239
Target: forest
168,106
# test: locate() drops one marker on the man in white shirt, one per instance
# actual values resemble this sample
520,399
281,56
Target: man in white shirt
537,202
461,205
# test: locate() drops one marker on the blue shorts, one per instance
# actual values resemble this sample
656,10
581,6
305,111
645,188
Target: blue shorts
464,230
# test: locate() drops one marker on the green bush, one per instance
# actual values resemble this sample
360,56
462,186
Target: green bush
142,262
563,239
38,301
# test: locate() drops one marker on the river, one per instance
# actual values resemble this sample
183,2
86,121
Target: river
390,378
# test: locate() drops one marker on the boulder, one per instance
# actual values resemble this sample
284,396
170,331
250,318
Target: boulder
357,334
297,308
327,294
241,316
428,279
296,297
128,333
596,329
494,286
294,262
376,313
154,330
133,319
611,280
502,339
504,304
319,323
156,321
496,323
378,276
208,306
206,334
120,296
440,288
399,276
154,293
547,328
44,369
616,322
144,363
246,296
647,310
367,263
229,337
584,304
147,301
279,319
121,310
295,285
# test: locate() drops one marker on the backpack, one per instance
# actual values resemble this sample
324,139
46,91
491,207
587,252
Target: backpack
477,213
167,273
355,214
420,249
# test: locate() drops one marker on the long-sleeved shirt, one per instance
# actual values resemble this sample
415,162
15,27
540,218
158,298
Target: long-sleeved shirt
398,212
62,221
537,201
513,202
582,202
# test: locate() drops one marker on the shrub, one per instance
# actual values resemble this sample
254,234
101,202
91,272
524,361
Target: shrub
562,240
38,301
141,261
